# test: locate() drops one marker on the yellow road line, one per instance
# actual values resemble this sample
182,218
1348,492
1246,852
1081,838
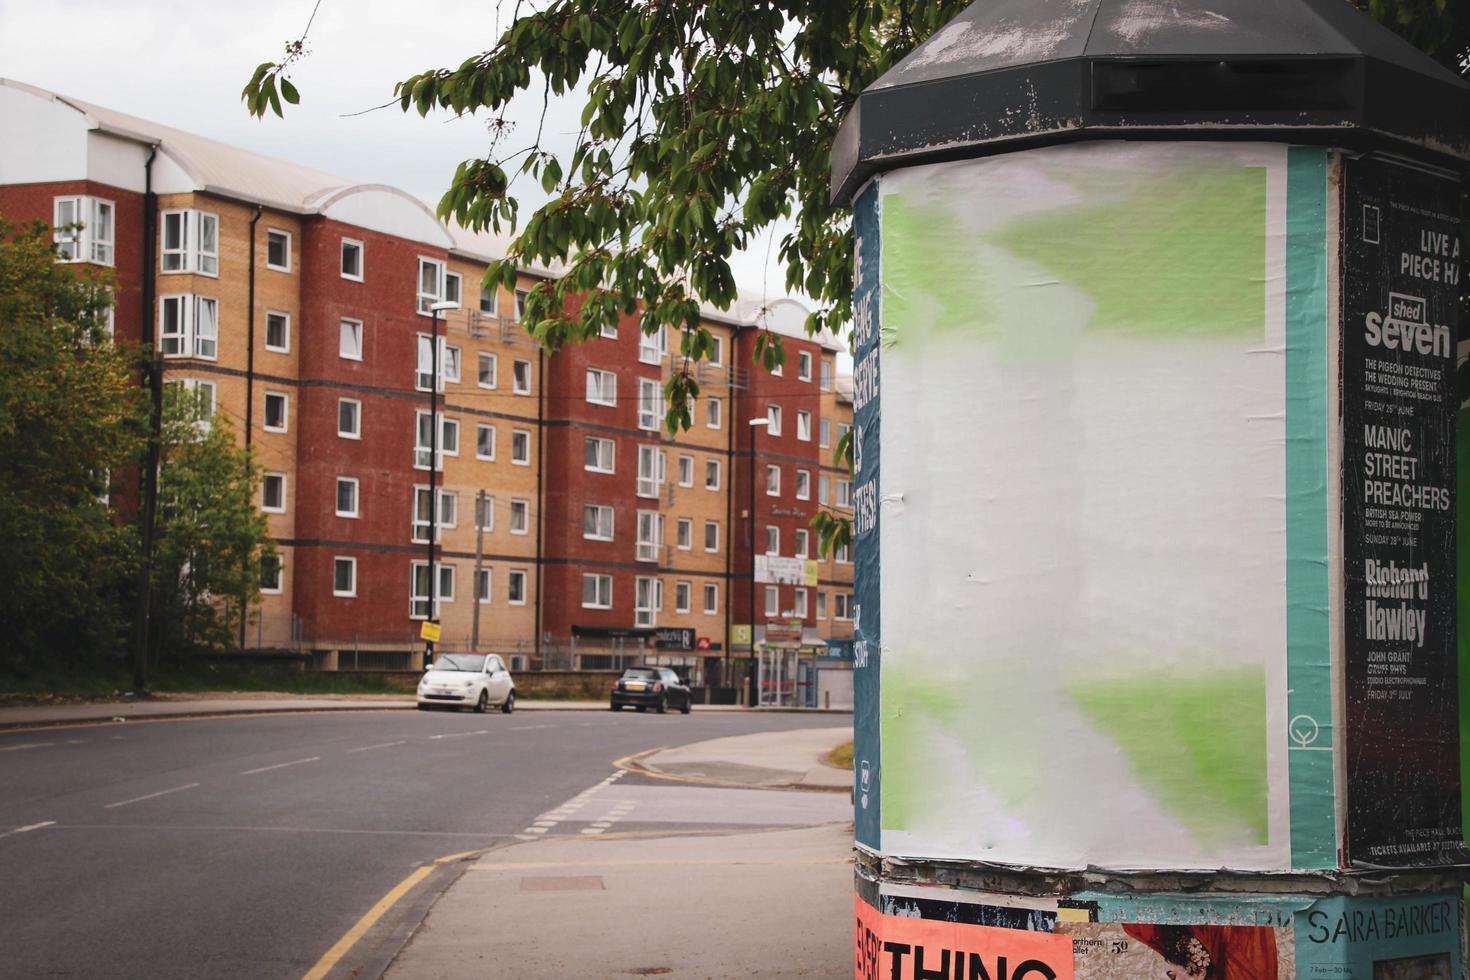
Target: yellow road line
334,955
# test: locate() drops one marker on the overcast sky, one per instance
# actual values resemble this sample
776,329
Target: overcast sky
184,62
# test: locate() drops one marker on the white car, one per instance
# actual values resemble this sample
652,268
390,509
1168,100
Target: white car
475,680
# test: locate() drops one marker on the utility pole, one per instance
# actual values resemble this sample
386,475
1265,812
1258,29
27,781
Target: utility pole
434,310
479,561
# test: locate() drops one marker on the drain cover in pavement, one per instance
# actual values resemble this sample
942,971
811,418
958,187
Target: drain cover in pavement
572,883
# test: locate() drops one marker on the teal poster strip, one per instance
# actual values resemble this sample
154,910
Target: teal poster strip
1309,731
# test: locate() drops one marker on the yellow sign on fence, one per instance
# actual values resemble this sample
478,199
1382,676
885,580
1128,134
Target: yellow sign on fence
429,631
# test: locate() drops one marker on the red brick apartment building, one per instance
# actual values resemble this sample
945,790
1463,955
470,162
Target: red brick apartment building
300,302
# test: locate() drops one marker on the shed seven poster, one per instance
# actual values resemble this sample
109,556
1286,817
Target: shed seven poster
1400,285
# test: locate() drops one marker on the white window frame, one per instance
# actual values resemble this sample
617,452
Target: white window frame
350,563
684,534
601,590
843,610
354,329
804,426
804,365
95,240
449,362
280,567
683,597
798,604
648,600
826,375
712,549
602,520
711,598
265,481
773,419
494,293
453,288
717,350
824,493
652,471
649,535
515,377
484,516
486,357
525,509
480,429
773,540
842,554
190,256
419,526
352,243
355,432
520,437
843,493
426,299
824,428
803,543
651,407
772,601
415,597
653,348
197,385
714,413
268,263
773,480
286,329
600,443
285,402
803,485
421,449
356,510
197,335
608,331
513,576
602,387
712,466
821,605
521,296
484,585
686,470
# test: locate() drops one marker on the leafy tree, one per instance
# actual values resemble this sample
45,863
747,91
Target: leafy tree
71,421
704,122
210,537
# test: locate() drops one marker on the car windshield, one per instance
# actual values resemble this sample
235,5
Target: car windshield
640,674
461,661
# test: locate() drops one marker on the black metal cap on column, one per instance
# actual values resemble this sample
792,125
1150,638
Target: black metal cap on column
1010,74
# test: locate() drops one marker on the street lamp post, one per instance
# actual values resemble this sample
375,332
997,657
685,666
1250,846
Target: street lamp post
434,311
754,424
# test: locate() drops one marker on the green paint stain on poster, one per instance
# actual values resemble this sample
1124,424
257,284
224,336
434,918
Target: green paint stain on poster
1176,255
910,707
928,283
1195,740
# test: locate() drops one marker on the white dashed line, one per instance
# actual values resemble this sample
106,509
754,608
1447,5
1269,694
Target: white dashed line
280,765
140,799
380,745
27,745
28,828
460,734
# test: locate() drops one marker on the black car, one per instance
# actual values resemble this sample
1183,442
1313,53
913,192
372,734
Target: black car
658,688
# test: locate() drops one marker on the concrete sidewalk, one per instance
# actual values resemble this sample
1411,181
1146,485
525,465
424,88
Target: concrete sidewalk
764,760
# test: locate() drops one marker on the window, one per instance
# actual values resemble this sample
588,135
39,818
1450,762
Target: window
648,599
270,574
278,332
275,411
520,447
843,429
349,418
344,577
273,493
521,296
596,591
424,369
482,585
204,392
349,343
773,539
803,538
602,387
446,582
822,596
188,326
516,587
686,471
351,260
484,513
346,496
682,594
712,413
520,517
844,606
803,485
278,250
489,367
418,592
773,601
453,287
653,347
650,403
826,375
489,299
484,441
190,242
597,522
85,229
804,426
823,494
521,377
652,465
844,493
711,598
684,534
448,441
798,607
423,517
825,428
608,330
599,455
773,481
431,283
712,474
711,536
773,417
650,535
842,554
804,365
716,351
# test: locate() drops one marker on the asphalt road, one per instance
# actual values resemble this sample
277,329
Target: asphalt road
246,847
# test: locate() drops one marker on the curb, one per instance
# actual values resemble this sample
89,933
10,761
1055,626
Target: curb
634,764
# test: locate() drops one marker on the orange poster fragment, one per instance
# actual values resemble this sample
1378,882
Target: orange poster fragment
891,947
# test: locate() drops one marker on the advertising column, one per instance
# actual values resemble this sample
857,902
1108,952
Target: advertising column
1401,262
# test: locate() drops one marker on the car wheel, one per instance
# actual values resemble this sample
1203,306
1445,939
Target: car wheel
663,705
688,704
481,704
510,703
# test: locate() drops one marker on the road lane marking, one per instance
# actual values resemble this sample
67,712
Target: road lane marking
380,745
27,745
482,731
531,728
280,765
334,955
227,829
140,799
29,827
